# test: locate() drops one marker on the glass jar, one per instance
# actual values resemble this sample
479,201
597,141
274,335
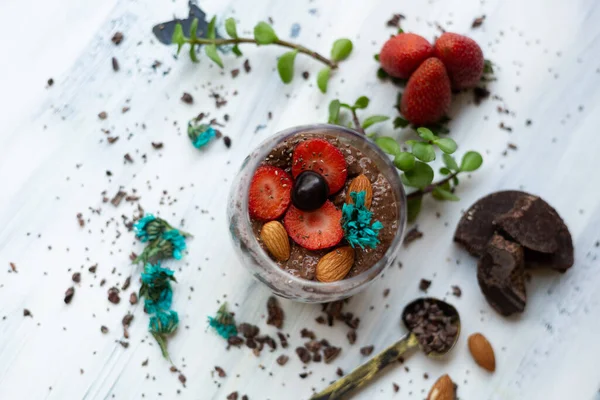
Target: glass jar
258,262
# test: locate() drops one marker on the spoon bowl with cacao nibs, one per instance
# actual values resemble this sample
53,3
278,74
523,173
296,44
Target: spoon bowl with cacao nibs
434,327
317,212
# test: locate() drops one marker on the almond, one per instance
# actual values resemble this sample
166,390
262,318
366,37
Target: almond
335,265
359,184
275,237
443,389
482,352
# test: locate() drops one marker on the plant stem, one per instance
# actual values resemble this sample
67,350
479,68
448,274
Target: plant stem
301,49
357,124
430,188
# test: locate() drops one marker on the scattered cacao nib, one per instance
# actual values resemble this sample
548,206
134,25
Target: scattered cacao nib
187,98
275,313
219,101
27,313
505,127
303,354
425,375
303,375
316,357
456,291
412,235
125,109
133,256
339,372
76,277
367,350
325,343
124,344
313,346
424,284
128,157
435,327
111,140
13,266
333,311
306,75
93,268
351,335
220,372
117,38
282,359
512,146
386,292
247,330
235,341
103,115
349,319
113,295
126,283
102,282
331,353
395,387
394,22
127,319
501,276
320,319
477,22
480,94
244,397
235,72
133,298
232,396
157,145
115,64
305,333
116,200
69,295
80,220
173,368
528,122
250,343
104,329
282,340
227,141
50,82
182,379
247,67
145,362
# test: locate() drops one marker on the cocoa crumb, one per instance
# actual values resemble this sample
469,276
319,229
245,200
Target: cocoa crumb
232,396
456,291
93,268
227,141
13,267
367,350
113,295
145,362
320,319
283,340
512,146
182,379
247,330
104,329
76,277
303,354
117,38
480,94
111,140
477,22
133,298
339,372
102,115
115,64
80,220
424,284
127,157
330,353
50,82
351,335
275,313
305,75
386,292
235,72
235,341
126,321
116,200
412,235
282,359
187,98
126,283
27,313
220,372
69,295
303,375
395,387
394,22
247,67
305,333
157,145
125,109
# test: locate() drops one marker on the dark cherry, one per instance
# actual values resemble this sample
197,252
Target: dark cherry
310,191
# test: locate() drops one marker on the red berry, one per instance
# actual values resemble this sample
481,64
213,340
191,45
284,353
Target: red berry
270,193
320,156
402,54
462,57
427,96
317,229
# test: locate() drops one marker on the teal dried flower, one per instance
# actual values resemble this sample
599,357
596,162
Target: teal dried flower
163,302
148,228
356,222
223,323
164,322
155,276
200,134
169,245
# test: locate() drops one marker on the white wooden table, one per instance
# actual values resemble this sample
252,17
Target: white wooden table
54,160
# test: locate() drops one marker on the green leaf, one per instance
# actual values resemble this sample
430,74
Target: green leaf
347,106
404,161
178,37
361,103
388,145
230,28
488,67
374,119
423,151
426,134
211,52
341,49
236,50
443,194
211,32
323,79
471,161
420,176
410,142
264,33
376,57
285,66
400,30
400,122
334,111
446,145
450,162
194,29
413,208
445,171
193,54
381,74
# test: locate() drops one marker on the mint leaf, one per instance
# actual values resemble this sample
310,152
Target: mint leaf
446,145
323,79
334,111
194,29
423,151
426,134
450,162
361,103
193,55
211,31
285,66
178,37
236,50
388,145
471,161
420,176
443,194
341,49
445,171
264,33
374,119
211,52
404,161
400,122
231,28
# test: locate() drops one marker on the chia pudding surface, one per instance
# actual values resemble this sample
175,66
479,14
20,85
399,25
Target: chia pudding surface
303,262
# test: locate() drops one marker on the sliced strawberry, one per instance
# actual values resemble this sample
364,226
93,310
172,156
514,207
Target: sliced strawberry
317,229
324,158
270,193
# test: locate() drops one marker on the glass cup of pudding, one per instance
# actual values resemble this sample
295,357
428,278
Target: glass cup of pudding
317,212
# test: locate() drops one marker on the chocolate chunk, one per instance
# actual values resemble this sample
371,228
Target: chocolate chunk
424,284
476,227
501,276
532,223
275,317
561,260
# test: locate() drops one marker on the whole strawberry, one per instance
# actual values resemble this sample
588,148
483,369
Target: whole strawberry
427,96
403,53
462,57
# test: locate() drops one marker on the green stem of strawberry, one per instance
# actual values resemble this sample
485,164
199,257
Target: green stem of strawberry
356,121
430,188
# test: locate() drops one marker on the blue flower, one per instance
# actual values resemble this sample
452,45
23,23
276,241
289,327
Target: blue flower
223,323
163,302
164,322
141,226
200,134
356,222
156,276
176,241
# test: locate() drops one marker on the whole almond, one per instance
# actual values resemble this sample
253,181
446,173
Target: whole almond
482,352
442,389
359,184
335,265
275,237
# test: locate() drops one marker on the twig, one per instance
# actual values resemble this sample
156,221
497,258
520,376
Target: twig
357,122
430,188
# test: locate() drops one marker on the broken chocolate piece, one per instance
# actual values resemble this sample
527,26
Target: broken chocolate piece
501,276
561,260
476,227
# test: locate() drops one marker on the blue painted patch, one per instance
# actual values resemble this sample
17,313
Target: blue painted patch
295,31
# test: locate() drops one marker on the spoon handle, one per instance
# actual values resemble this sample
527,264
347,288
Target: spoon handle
366,372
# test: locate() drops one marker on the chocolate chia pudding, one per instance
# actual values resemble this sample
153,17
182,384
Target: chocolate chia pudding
302,262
